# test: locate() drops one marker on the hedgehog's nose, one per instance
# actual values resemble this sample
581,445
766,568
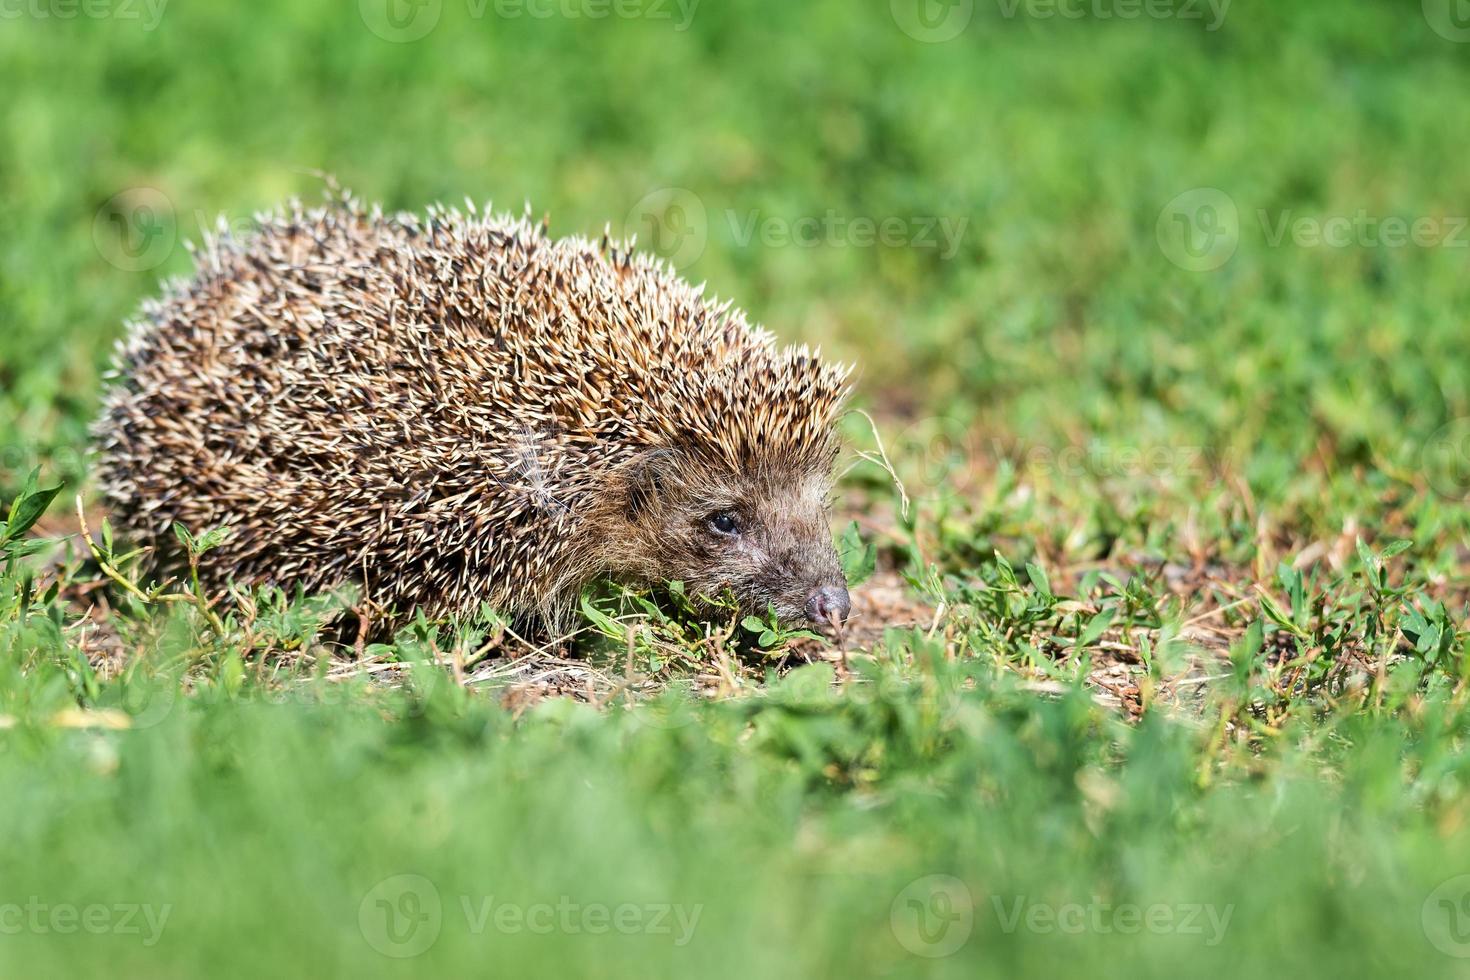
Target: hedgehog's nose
830,604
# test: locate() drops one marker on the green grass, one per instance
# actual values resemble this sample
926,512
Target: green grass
1186,547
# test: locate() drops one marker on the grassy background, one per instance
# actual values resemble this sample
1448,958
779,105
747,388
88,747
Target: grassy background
1054,384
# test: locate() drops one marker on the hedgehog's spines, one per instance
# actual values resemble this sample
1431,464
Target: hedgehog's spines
433,406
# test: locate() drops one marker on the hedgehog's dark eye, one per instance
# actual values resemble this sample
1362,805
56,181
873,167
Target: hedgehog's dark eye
724,522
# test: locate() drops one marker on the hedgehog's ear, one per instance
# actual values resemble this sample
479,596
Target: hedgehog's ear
646,479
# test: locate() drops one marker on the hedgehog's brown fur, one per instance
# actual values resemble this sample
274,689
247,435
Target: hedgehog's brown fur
459,410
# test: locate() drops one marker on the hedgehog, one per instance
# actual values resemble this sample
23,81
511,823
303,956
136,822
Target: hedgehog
458,412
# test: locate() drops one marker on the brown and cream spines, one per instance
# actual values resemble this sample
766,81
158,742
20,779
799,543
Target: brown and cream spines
447,411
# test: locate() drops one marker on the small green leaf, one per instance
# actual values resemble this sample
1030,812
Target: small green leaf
1370,565
1396,549
601,620
754,624
1039,579
213,539
1277,615
1245,651
1291,580
27,509
1096,627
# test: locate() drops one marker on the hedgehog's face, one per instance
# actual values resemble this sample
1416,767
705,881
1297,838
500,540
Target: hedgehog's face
763,538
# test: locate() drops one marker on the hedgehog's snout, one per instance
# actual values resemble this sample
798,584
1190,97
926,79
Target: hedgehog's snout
829,605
